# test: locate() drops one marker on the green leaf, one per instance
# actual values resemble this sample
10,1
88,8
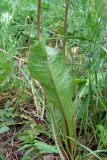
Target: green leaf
48,67
3,129
2,157
8,104
24,147
26,155
5,66
45,148
26,158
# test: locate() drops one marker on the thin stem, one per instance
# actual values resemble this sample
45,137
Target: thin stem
38,20
65,24
29,37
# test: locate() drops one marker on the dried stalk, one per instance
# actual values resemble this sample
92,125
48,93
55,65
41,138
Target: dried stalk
65,26
38,20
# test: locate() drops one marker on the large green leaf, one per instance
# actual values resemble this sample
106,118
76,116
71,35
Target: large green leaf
48,67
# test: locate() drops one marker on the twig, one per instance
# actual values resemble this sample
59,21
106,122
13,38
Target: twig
38,20
35,98
19,59
65,25
43,106
43,102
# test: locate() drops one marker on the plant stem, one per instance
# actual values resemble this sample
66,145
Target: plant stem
56,132
29,39
38,20
65,25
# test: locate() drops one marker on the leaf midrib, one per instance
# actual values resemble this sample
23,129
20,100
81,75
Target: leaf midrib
58,97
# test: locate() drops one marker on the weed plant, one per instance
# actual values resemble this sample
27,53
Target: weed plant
66,102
